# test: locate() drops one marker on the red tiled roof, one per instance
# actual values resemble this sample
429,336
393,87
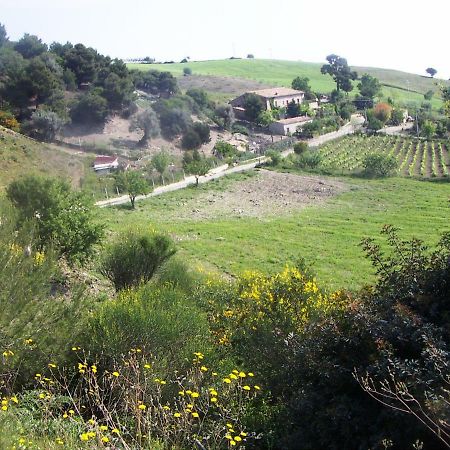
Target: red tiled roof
277,92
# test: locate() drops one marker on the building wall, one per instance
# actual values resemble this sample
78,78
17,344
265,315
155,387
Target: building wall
279,101
284,129
282,101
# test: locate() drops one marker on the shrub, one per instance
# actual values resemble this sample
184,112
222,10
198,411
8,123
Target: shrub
160,319
7,120
135,258
236,128
44,125
300,147
378,165
308,160
62,218
275,157
187,71
92,109
382,112
225,149
191,140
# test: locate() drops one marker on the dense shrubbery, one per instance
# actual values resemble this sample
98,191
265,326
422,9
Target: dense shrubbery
379,165
61,218
135,258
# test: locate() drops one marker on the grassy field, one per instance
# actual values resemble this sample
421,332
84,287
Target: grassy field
415,158
327,236
401,86
20,155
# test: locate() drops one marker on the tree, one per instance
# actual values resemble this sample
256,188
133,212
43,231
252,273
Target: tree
91,109
250,56
133,183
302,84
378,165
200,97
62,218
300,147
118,91
339,69
383,112
369,86
197,166
191,140
160,161
373,123
82,62
265,118
146,121
203,131
224,116
44,125
430,71
253,105
3,35
428,129
293,109
30,46
428,95
135,258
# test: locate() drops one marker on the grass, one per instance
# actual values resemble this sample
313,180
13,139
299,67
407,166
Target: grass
403,87
327,236
20,155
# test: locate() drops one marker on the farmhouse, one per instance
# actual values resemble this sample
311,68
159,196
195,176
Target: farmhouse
277,97
285,127
105,163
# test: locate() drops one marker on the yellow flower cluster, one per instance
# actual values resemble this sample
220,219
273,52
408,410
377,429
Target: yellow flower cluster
286,297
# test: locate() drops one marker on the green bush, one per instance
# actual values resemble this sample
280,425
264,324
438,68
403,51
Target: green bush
161,320
308,160
225,149
275,157
135,257
377,165
61,217
300,147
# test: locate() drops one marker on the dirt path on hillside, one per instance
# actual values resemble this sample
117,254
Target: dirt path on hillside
266,194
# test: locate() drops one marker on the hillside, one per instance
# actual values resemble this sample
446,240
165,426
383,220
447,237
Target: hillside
20,155
402,86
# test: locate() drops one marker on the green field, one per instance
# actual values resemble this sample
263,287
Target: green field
327,236
415,158
401,86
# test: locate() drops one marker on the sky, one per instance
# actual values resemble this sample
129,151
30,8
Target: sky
395,34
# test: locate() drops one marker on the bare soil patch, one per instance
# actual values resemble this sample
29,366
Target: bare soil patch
266,194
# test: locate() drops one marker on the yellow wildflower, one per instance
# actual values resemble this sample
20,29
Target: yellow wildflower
142,407
246,388
115,374
227,380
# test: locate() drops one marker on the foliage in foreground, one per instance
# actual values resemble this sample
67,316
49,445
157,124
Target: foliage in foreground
135,257
60,217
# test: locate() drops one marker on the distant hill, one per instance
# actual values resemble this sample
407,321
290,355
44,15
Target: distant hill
401,86
20,155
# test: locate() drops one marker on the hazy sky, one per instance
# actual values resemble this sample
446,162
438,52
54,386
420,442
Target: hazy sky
406,35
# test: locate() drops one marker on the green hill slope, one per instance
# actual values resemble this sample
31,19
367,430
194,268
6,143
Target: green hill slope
401,86
20,155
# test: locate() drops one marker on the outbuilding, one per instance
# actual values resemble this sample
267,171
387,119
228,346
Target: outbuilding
285,127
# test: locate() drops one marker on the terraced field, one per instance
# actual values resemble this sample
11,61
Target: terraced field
416,158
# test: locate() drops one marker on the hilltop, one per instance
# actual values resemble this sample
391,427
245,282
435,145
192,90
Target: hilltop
401,86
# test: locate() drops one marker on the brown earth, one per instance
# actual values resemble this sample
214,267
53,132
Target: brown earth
265,194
